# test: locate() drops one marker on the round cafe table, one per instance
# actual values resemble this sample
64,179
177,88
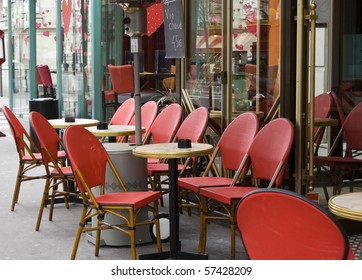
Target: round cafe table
114,131
62,124
347,205
171,152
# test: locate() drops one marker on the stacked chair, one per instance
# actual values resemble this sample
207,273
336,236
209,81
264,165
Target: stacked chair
164,127
29,154
193,127
56,172
232,148
322,109
148,115
345,167
268,155
123,115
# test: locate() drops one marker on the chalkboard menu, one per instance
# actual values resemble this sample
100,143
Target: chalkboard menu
174,28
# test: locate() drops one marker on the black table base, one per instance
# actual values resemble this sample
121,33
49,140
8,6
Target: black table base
175,244
179,256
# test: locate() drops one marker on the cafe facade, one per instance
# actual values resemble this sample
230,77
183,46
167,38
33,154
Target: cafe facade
267,56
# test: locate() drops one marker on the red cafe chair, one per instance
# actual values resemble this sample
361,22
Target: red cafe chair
232,148
56,173
123,115
277,224
322,109
346,167
122,80
193,127
338,106
148,115
90,171
29,155
46,79
268,155
164,127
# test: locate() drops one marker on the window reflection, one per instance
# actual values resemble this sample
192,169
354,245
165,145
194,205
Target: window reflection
255,54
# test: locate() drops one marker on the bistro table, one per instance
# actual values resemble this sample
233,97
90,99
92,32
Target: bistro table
62,124
171,152
347,205
113,131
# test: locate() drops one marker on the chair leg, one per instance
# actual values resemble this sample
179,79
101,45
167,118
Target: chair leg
203,226
79,233
187,198
158,227
17,185
326,194
42,205
132,233
65,193
155,182
232,230
98,237
52,199
77,237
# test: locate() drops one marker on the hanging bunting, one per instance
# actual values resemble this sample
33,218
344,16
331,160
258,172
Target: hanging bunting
66,14
154,18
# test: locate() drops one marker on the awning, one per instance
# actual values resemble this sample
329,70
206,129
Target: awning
214,42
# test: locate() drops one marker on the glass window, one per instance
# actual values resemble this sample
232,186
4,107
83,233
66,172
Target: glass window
254,60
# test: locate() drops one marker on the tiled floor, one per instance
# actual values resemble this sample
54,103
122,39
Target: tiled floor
356,241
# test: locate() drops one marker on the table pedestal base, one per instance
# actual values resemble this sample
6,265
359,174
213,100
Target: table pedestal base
179,256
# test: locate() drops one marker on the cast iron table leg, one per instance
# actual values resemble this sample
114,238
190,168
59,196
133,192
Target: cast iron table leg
175,244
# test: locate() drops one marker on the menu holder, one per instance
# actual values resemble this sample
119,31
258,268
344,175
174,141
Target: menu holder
184,143
102,125
69,119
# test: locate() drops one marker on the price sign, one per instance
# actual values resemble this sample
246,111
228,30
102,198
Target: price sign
174,28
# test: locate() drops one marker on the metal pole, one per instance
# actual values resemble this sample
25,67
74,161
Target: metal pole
312,20
136,47
299,98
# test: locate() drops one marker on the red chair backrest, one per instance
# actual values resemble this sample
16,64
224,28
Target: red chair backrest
352,130
17,129
45,75
270,150
194,125
148,115
322,105
47,136
38,77
322,109
276,224
166,123
124,113
236,139
337,103
122,78
90,156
